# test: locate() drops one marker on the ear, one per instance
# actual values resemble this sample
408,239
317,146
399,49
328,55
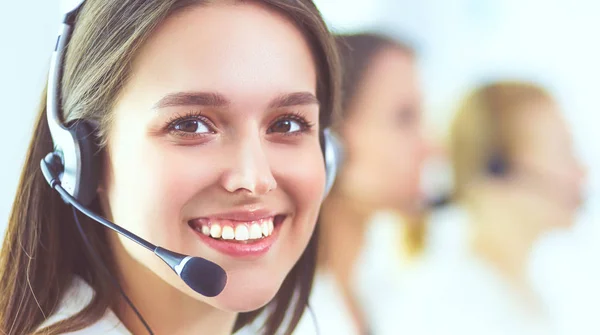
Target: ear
100,189
105,173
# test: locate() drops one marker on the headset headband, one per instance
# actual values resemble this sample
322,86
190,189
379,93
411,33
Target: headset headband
75,146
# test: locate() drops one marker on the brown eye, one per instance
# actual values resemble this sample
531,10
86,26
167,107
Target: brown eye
406,117
191,126
285,126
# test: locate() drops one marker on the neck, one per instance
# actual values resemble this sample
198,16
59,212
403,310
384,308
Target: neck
504,240
507,255
343,223
166,309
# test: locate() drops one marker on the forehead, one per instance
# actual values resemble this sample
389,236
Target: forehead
246,51
390,70
389,82
392,65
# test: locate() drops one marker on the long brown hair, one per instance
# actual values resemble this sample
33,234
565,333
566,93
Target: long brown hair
42,251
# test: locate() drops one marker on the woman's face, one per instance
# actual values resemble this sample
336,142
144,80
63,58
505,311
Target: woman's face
546,157
385,146
214,151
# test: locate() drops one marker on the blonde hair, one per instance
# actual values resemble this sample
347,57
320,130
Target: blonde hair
484,128
414,234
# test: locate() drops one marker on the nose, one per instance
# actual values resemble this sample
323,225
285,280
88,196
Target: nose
581,175
249,170
583,171
428,147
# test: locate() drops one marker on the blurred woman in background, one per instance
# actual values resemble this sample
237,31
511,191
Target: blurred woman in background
384,151
516,177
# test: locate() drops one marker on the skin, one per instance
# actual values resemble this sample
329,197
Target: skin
245,154
385,152
547,155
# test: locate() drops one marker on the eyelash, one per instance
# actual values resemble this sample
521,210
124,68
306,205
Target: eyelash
305,125
189,116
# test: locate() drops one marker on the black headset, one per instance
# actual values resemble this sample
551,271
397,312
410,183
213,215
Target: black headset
496,165
73,170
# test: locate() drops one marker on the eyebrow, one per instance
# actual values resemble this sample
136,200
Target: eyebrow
192,99
294,99
212,99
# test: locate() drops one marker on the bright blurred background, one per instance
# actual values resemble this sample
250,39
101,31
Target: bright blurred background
464,42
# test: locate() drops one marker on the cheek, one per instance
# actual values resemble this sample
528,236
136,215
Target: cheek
151,184
566,182
556,176
303,183
400,163
553,168
385,164
396,158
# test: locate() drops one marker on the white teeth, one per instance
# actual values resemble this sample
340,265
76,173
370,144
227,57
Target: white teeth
255,231
215,230
228,233
241,233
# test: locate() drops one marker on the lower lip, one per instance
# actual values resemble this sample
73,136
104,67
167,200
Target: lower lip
240,249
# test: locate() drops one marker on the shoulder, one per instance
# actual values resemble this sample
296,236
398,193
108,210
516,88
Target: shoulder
74,300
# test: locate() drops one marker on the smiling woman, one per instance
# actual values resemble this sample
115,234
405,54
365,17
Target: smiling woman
209,145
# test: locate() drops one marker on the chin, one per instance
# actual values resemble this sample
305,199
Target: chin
246,296
248,302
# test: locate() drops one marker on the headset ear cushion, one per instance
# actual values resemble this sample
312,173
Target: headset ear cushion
89,174
497,166
333,153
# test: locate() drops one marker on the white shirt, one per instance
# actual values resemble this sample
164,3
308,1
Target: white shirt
452,291
331,314
379,272
566,272
77,297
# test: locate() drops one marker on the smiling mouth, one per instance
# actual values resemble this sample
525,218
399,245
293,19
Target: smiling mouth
237,231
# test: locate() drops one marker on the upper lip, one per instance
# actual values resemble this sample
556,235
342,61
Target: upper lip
241,215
